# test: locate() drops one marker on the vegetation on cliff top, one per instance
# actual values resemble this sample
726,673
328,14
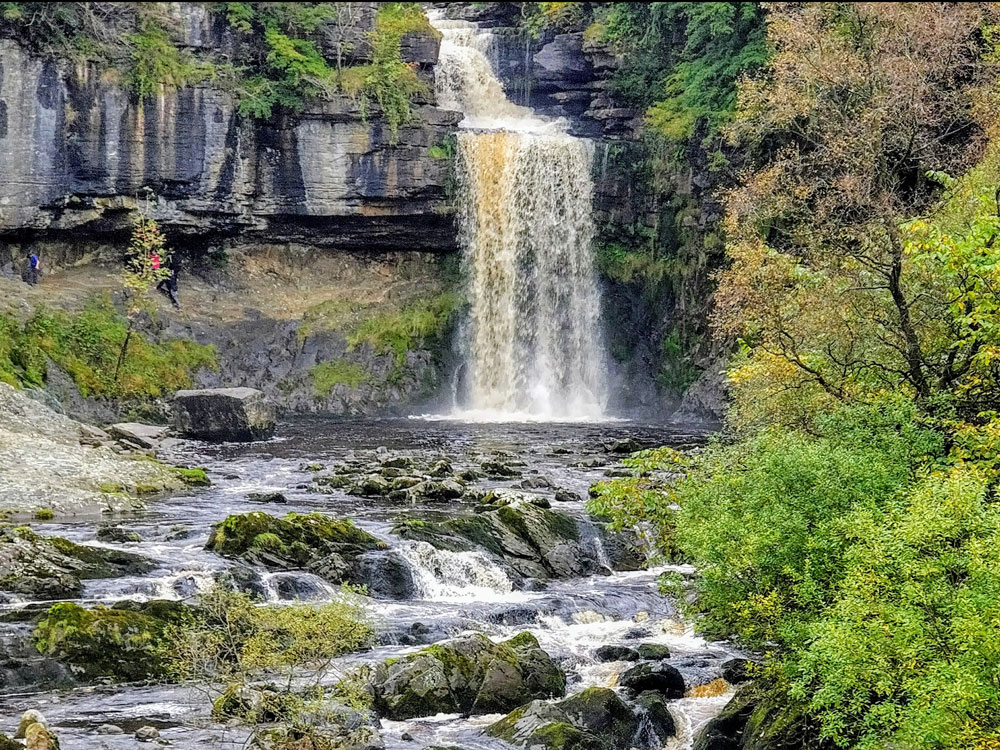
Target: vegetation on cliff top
276,60
850,530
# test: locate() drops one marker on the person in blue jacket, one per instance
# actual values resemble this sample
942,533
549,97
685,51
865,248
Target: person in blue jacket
34,268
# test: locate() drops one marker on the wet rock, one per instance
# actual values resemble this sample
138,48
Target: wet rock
726,730
737,671
315,542
398,462
122,642
53,568
138,435
110,729
594,719
29,717
244,579
622,445
616,653
469,675
534,542
658,719
660,678
370,485
113,532
387,575
498,469
147,734
441,468
40,737
653,651
566,496
535,483
267,497
624,549
224,414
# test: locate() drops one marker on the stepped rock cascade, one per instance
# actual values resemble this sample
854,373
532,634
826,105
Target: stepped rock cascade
533,347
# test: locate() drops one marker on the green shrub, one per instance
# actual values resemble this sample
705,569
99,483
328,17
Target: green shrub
326,375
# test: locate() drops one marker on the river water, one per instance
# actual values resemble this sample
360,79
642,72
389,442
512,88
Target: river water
457,592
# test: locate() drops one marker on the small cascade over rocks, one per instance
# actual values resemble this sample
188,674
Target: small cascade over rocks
443,575
533,347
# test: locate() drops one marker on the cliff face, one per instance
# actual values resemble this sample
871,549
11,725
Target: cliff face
77,151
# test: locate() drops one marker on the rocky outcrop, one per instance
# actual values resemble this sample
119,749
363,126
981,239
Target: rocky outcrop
468,675
46,568
595,719
335,550
49,462
76,149
124,642
533,541
224,414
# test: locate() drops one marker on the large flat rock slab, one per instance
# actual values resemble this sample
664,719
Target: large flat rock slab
224,414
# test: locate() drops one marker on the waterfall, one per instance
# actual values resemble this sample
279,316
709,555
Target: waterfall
442,575
533,347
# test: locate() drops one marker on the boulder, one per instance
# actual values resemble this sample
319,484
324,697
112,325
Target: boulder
123,642
224,414
276,498
653,651
50,568
595,719
140,435
113,532
737,671
533,541
29,717
147,734
616,653
326,546
468,675
660,678
658,723
40,737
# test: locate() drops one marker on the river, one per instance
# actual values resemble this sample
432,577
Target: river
456,592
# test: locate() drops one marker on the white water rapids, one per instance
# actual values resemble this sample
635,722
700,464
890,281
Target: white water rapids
533,348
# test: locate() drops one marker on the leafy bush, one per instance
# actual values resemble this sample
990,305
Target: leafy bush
235,641
907,655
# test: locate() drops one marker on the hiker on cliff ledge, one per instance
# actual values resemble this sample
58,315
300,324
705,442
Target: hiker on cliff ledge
34,269
168,286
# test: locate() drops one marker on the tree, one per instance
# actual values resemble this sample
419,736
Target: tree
863,105
145,266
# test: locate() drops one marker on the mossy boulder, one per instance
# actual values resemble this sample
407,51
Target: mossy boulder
761,717
468,675
533,541
48,568
326,546
123,642
595,719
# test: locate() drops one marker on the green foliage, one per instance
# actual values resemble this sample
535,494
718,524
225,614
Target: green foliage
424,323
155,61
643,501
326,375
45,514
192,477
235,641
687,79
87,346
387,81
907,655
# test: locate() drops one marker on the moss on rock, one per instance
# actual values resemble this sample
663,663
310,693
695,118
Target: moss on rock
123,642
326,546
471,675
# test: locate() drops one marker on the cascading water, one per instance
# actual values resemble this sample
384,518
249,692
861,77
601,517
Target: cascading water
533,348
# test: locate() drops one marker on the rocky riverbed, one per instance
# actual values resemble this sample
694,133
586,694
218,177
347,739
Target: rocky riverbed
472,540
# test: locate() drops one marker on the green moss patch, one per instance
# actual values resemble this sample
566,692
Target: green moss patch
327,375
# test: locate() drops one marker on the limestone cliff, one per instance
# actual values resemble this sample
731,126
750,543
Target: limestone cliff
77,150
